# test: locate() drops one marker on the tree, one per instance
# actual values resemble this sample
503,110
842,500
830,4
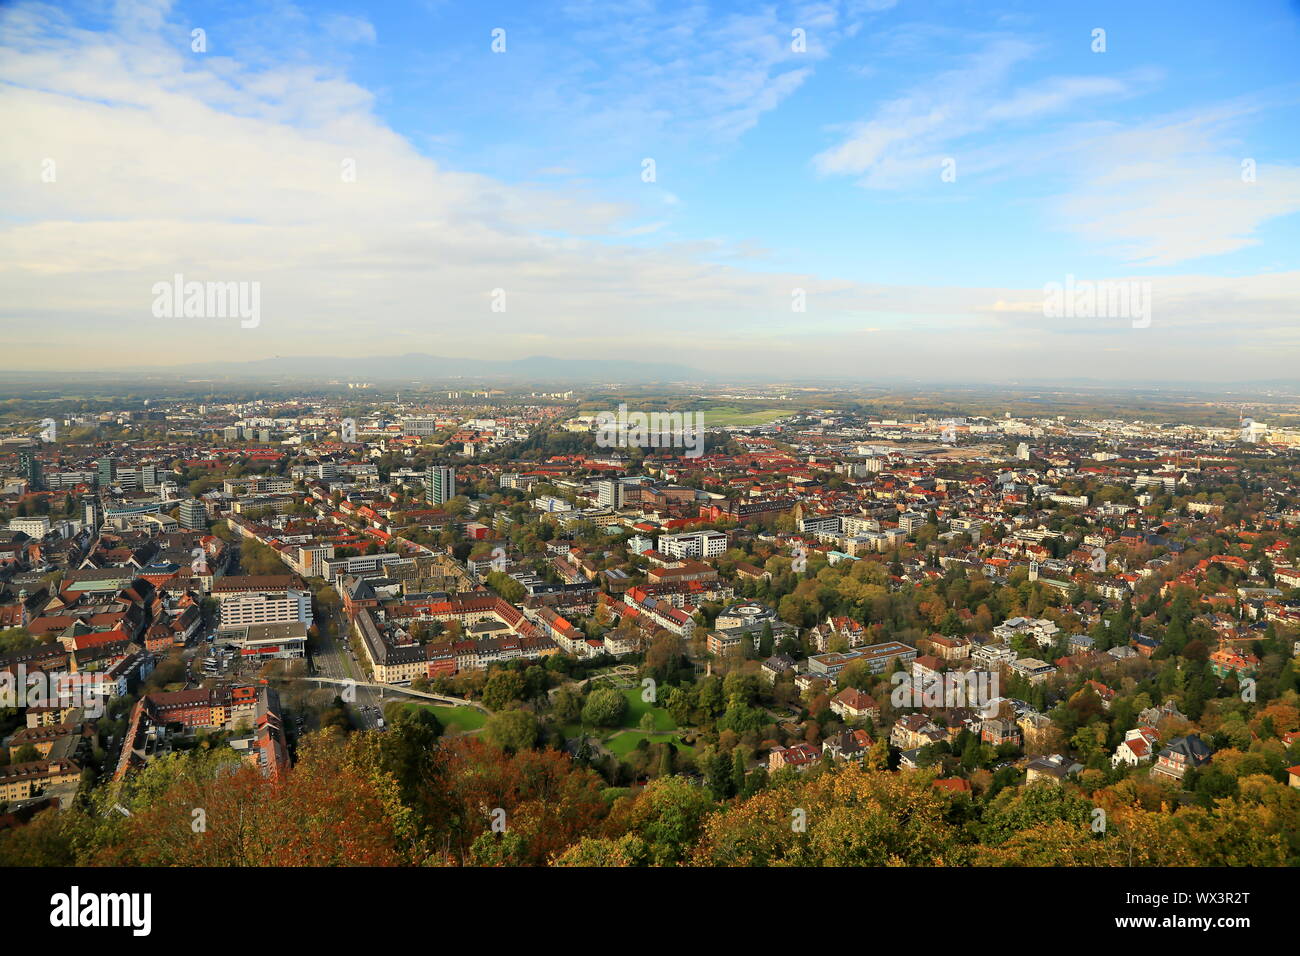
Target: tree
667,757
738,767
16,639
719,777
628,850
249,820
853,817
512,730
566,705
504,686
605,707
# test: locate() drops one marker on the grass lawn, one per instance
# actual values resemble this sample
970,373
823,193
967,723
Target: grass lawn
636,708
457,720
625,742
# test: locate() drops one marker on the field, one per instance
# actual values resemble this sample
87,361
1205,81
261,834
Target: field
719,415
623,741
636,708
456,720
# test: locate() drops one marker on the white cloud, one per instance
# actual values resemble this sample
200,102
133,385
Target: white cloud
1150,192
1170,190
903,139
219,170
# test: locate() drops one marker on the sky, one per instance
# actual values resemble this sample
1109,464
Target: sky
867,189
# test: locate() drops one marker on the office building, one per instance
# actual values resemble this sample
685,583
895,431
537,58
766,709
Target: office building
261,599
609,494
193,515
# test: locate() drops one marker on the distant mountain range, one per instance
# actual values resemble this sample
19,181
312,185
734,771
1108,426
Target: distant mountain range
412,367
546,370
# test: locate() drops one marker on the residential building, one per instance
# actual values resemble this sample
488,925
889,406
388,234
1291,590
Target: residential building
439,484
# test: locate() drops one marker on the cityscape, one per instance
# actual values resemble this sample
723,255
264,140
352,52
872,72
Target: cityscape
1052,639
821,435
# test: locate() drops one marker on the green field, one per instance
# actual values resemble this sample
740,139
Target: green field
718,415
456,720
636,707
624,742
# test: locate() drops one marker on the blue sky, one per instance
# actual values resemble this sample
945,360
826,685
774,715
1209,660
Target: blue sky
777,168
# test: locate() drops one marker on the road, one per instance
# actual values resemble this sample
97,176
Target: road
330,660
335,664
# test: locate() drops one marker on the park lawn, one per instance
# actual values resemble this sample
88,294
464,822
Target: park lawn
636,707
456,720
624,743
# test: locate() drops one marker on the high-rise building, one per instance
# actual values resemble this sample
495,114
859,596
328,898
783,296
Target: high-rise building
609,494
193,515
93,516
104,472
440,484
29,466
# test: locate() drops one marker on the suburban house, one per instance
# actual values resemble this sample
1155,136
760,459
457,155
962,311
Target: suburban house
999,731
1053,768
1137,747
1180,756
847,745
913,731
799,757
853,704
